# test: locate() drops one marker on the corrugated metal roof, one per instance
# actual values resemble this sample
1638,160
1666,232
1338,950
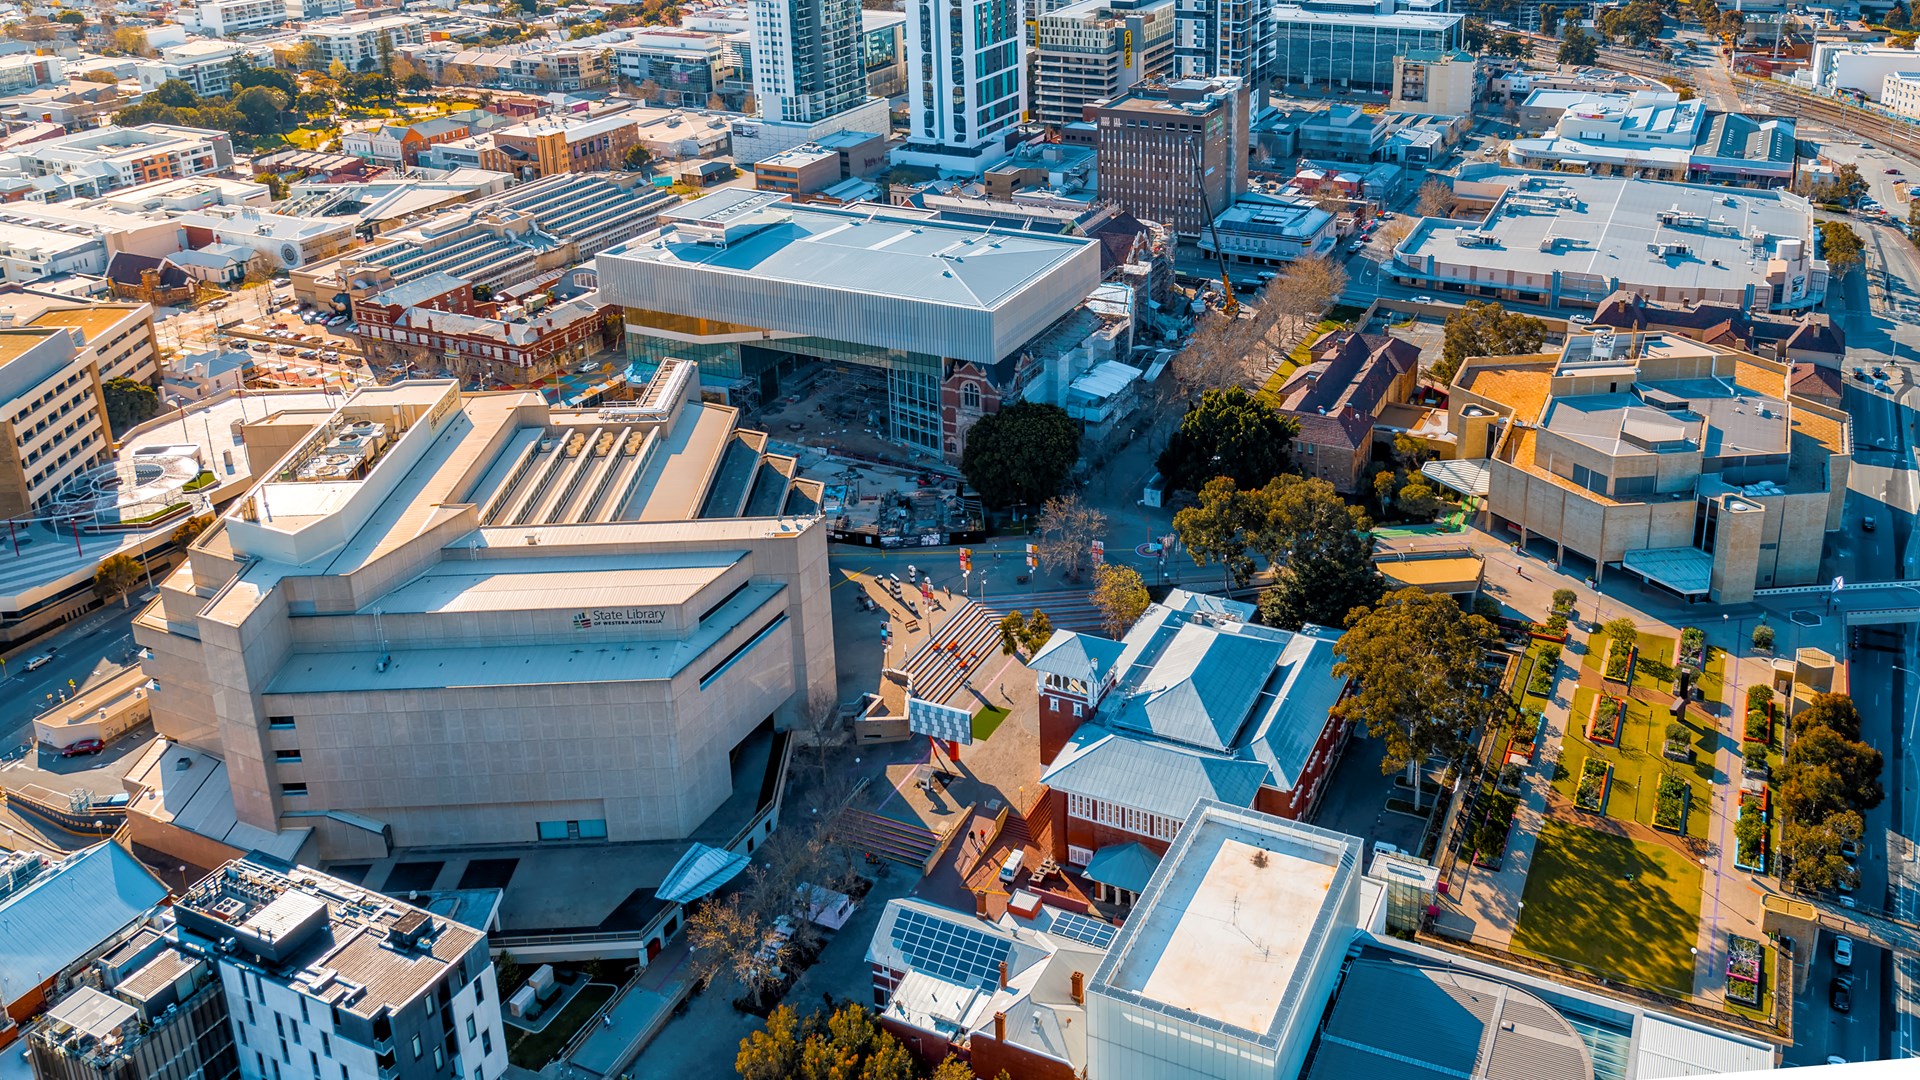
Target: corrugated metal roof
68,912
700,871
1123,866
1202,687
1153,777
1665,1047
1076,656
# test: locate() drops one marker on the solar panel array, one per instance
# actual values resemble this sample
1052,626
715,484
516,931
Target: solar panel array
939,721
949,951
1079,927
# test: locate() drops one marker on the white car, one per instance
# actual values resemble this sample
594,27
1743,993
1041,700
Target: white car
1843,951
1425,300
1580,320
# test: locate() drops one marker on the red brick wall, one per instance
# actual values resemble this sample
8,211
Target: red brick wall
1093,836
1057,723
929,1048
955,415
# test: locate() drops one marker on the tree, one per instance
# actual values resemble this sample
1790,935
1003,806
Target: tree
639,159
187,531
174,92
1483,328
1436,199
1327,549
1841,247
1419,498
264,108
1845,185
1039,628
117,576
772,1053
1120,595
731,936
1622,631
1300,296
1549,19
1228,433
1578,48
1826,772
260,268
1021,454
306,56
1811,852
843,1045
1899,17
1905,39
276,185
952,1068
482,292
129,404
245,75
1834,711
1218,529
129,40
71,18
1415,660
1066,530
1385,483
1013,633
1763,637
508,973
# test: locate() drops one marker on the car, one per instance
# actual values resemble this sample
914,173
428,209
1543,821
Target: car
1840,994
261,346
1356,247
1866,523
1850,850
1860,373
1843,951
312,373
84,746
39,662
1424,299
1847,884
1385,216
1893,172
1879,373
1580,320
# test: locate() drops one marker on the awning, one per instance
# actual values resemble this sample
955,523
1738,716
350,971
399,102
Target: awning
1123,866
700,871
1464,476
1687,571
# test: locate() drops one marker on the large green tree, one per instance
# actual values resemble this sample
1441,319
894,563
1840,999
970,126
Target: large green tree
116,576
1841,247
1578,48
1826,772
1811,851
1120,595
1228,433
129,404
1483,328
1221,528
1021,454
1414,661
1325,548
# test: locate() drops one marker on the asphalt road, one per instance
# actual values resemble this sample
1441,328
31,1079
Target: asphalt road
104,636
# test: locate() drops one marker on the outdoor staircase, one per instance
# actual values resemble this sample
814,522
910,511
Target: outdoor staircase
1067,609
885,837
940,667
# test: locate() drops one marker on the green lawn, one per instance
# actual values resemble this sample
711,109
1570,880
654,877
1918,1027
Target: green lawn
1637,761
986,721
1300,355
533,1049
1527,665
1582,909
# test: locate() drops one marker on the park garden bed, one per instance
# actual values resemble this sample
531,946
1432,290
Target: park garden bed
1546,668
1678,745
1693,649
1596,776
1670,806
1619,660
1759,726
1751,831
1603,727
1490,838
1746,970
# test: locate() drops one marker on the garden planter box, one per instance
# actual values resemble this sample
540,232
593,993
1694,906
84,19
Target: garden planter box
1596,777
1665,817
1685,755
1617,668
1746,970
1603,727
1542,635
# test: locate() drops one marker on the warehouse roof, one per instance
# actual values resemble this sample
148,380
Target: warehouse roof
69,911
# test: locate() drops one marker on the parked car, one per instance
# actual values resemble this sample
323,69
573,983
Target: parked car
1423,299
1580,320
84,746
1850,850
1843,951
1866,523
1840,994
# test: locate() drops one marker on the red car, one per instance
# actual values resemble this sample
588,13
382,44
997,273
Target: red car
84,746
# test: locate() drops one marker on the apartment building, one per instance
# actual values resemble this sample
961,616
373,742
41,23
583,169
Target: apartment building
1693,466
1175,151
325,980
807,63
688,66
231,18
553,146
966,83
434,322
26,71
543,65
654,606
1095,49
207,66
358,42
1435,83
55,355
57,915
1223,39
92,163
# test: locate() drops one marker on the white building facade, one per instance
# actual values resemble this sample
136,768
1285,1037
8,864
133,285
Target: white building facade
963,95
806,59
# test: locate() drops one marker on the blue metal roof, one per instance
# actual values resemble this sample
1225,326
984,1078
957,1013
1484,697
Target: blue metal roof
1156,777
68,912
699,872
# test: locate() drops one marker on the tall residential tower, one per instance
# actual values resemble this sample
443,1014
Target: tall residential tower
806,59
966,81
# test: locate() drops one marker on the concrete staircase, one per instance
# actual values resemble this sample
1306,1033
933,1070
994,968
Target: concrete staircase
940,667
885,837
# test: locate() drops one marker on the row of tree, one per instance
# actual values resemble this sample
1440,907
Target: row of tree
1828,781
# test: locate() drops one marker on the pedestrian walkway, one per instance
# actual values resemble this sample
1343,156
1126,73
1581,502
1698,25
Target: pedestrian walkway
1486,903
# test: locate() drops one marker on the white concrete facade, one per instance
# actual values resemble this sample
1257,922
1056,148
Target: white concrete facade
964,96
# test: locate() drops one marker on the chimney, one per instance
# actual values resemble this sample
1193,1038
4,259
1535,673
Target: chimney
1003,974
980,903
1000,1025
1079,989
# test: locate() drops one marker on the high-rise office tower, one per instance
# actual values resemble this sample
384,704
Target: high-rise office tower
966,82
806,59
